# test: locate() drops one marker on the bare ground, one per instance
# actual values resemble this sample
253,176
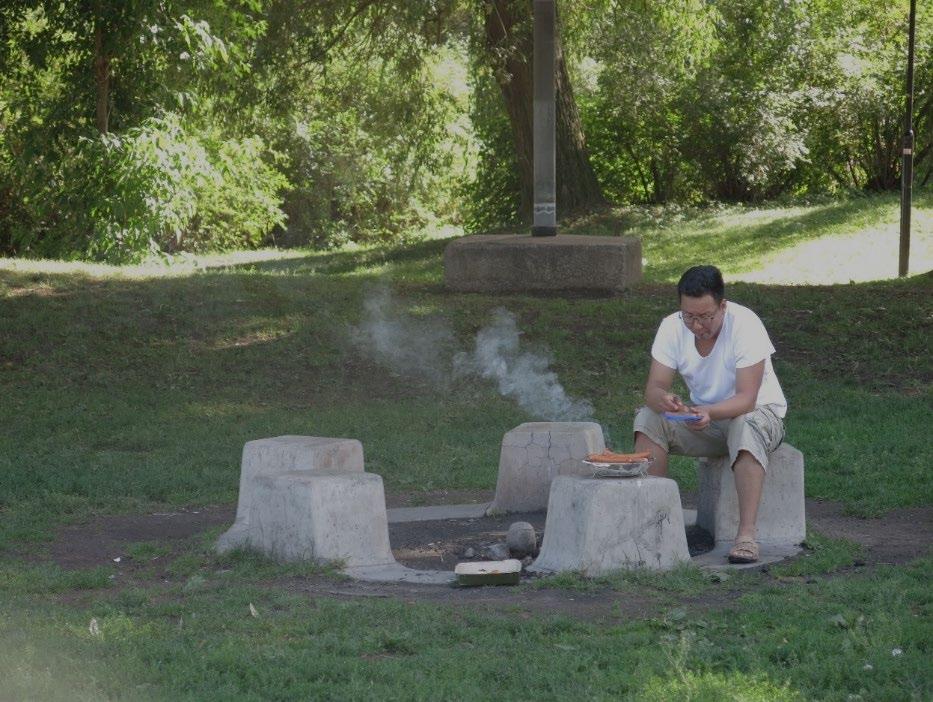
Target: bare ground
898,537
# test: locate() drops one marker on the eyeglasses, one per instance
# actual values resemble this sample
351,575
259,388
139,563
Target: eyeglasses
689,319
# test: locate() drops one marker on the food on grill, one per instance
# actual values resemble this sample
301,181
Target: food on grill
609,457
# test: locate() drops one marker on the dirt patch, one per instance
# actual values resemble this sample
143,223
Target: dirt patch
523,601
439,497
898,537
441,544
101,540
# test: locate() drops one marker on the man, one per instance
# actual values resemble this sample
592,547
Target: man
723,352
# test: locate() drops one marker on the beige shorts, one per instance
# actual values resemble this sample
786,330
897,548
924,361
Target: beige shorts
759,432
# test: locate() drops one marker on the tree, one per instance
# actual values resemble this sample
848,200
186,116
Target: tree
115,140
509,49
643,55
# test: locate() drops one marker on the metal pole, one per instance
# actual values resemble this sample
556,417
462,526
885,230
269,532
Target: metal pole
907,164
544,219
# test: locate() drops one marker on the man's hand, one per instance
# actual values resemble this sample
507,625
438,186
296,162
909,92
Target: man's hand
672,403
703,421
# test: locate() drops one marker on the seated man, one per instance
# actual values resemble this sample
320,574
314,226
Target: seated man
723,352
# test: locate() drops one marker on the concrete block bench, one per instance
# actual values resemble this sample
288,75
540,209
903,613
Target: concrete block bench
595,526
781,518
535,453
519,263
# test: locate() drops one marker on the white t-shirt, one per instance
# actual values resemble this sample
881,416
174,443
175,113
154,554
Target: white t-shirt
742,342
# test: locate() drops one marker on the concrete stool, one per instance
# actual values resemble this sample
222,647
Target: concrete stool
286,454
323,517
595,526
535,453
781,519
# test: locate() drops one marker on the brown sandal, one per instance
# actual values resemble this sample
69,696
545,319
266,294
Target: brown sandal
744,552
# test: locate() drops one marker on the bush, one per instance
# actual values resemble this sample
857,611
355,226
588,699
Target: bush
373,152
159,187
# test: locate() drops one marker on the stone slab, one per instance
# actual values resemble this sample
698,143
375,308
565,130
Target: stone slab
286,454
323,517
435,512
534,454
781,516
596,526
520,262
768,554
397,573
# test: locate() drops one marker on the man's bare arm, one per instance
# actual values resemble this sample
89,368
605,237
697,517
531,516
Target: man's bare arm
658,394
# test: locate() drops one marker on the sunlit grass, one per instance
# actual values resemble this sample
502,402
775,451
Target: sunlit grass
828,241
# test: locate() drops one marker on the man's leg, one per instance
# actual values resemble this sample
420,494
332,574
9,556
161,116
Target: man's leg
643,443
749,480
661,437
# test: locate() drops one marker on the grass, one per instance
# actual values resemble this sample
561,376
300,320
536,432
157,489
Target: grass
820,555
685,580
129,389
865,635
860,234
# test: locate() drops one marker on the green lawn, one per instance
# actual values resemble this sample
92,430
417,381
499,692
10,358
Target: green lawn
866,636
133,389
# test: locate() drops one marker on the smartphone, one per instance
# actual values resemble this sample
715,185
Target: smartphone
679,417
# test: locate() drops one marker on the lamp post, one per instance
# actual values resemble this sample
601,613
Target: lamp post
907,163
544,213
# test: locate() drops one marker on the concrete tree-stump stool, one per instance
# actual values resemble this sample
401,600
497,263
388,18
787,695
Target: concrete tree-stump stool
535,453
307,498
781,518
595,526
286,454
322,517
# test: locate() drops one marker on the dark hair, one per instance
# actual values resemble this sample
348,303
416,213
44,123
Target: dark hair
701,280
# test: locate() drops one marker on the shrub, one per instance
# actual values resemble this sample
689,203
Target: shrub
159,187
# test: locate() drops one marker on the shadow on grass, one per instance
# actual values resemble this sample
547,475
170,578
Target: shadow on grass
672,238
427,253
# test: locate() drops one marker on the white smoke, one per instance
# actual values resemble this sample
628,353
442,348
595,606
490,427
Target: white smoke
423,347
408,345
524,376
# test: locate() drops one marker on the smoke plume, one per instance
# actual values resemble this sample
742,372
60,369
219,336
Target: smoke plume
523,375
418,347
424,347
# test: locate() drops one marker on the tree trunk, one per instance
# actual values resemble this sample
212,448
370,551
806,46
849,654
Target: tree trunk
509,47
101,80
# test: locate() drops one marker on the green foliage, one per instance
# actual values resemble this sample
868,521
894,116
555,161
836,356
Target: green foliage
158,187
224,120
370,152
210,124
858,121
636,137
492,198
749,99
